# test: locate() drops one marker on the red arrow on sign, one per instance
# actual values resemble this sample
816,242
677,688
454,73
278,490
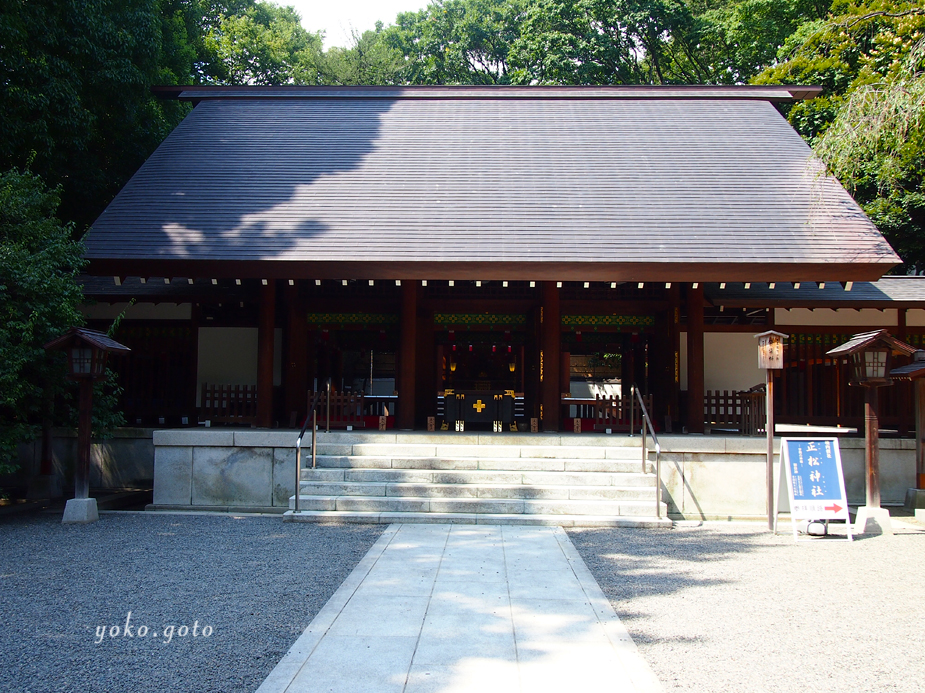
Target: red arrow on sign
834,508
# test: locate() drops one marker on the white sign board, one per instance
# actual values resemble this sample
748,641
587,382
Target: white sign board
815,480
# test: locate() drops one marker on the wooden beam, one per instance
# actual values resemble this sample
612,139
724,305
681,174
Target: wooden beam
266,324
695,359
435,269
407,355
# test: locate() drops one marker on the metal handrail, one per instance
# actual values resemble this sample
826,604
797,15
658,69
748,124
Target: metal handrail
313,417
647,423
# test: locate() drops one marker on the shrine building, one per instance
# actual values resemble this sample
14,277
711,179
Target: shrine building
488,258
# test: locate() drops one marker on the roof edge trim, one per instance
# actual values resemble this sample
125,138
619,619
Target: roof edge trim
776,93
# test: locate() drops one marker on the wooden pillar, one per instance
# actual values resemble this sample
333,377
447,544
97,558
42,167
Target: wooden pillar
550,366
695,360
84,429
872,444
192,392
919,389
426,382
295,382
674,351
407,354
266,324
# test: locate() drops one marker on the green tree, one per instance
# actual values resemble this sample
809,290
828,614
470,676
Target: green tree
737,39
76,100
457,41
369,60
39,299
261,44
867,58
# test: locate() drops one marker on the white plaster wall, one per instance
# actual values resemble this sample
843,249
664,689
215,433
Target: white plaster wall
139,311
730,361
915,317
866,317
228,356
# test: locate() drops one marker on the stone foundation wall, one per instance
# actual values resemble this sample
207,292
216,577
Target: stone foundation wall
710,477
234,470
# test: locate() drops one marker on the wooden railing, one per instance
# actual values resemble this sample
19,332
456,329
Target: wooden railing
744,411
609,411
338,409
234,404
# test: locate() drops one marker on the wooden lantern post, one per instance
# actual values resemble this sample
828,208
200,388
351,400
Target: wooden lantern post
770,357
87,351
869,355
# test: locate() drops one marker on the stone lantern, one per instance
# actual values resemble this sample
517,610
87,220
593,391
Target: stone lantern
87,352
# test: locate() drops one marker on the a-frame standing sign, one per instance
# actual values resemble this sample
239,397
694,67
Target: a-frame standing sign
815,481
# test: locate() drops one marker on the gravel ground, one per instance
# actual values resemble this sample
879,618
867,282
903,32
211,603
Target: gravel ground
256,581
734,608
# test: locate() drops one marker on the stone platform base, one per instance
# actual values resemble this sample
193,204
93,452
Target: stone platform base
873,521
80,511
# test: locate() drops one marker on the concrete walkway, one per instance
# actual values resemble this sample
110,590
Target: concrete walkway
453,608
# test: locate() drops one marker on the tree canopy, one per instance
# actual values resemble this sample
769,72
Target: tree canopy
39,299
868,124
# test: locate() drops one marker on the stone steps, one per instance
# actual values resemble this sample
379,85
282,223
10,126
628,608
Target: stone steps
509,479
477,505
482,463
476,519
472,490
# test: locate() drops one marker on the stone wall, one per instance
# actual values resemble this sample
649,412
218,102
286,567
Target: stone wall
714,477
236,470
124,461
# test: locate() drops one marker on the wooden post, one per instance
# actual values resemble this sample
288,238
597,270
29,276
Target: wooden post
769,424
550,339
872,440
407,348
674,351
919,432
266,324
695,360
84,428
296,361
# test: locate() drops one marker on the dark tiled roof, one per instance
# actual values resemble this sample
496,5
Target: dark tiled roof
545,187
912,371
887,292
865,339
98,339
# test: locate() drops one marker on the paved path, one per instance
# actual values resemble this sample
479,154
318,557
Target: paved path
453,608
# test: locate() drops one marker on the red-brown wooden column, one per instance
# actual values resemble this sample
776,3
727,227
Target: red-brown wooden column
295,382
674,352
407,353
266,324
550,341
695,360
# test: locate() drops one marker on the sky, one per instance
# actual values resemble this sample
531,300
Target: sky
336,17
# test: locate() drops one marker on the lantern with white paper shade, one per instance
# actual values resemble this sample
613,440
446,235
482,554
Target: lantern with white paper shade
869,354
770,357
87,352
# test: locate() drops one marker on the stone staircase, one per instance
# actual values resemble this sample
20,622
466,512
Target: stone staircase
473,478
